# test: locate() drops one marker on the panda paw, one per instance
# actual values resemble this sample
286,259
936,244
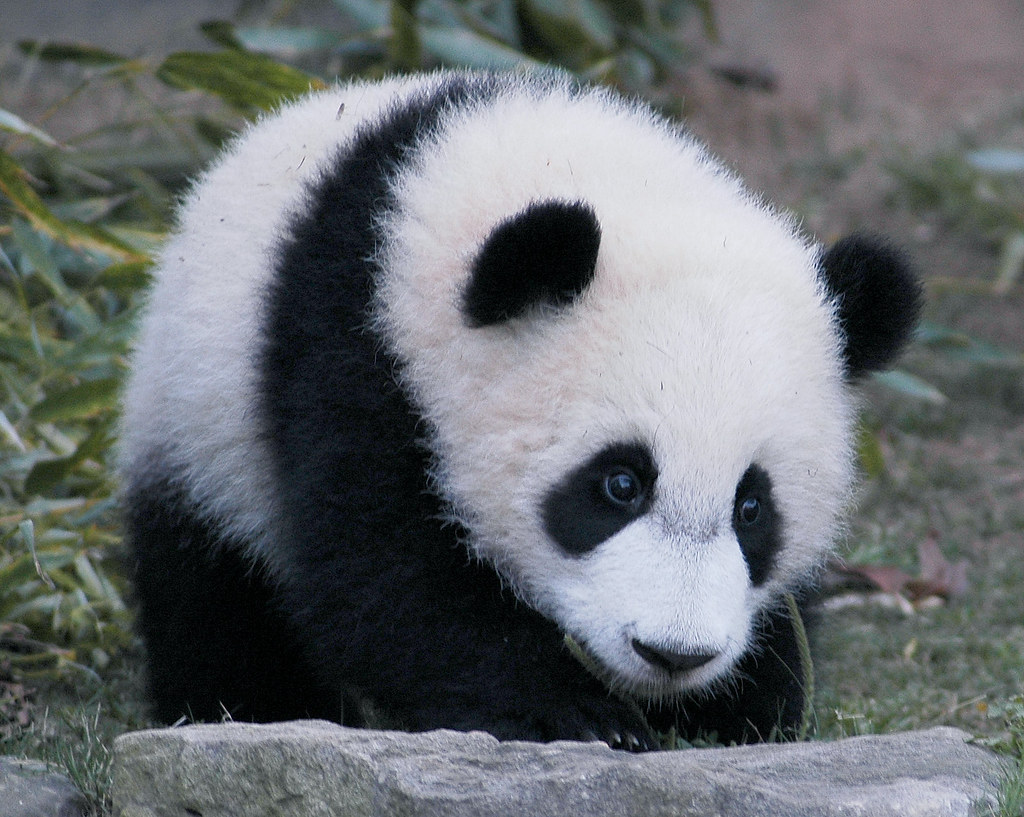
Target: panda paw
609,720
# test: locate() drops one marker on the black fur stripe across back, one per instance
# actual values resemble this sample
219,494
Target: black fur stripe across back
319,301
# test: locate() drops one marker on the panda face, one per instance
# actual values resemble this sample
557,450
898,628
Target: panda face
630,377
607,515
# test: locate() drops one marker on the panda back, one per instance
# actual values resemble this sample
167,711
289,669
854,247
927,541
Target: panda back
190,406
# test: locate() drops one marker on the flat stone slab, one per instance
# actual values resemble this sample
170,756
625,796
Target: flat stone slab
29,788
316,768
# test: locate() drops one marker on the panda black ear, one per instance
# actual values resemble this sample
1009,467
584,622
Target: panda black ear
545,254
878,300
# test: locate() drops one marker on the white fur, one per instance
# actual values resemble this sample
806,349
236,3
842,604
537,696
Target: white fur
704,334
193,386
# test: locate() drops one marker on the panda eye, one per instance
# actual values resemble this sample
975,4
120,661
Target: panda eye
748,511
622,487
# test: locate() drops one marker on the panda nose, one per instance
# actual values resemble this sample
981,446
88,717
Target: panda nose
671,661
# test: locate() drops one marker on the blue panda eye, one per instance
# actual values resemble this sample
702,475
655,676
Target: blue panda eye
622,487
748,511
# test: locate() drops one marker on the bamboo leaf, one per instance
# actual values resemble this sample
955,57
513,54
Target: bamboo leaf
472,50
29,242
75,234
222,33
127,277
707,18
241,78
961,346
15,124
86,399
996,160
571,26
404,46
368,14
869,453
911,386
1011,264
96,585
71,52
47,474
289,41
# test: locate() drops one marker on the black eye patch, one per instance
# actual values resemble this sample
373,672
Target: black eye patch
757,523
595,501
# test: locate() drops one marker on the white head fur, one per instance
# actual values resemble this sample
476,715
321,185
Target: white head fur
705,334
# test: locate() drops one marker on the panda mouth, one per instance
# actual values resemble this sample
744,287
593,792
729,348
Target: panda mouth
661,675
673,673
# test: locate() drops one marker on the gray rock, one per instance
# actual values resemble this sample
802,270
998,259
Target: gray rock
29,788
315,768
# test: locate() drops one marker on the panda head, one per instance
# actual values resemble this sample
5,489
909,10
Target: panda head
636,381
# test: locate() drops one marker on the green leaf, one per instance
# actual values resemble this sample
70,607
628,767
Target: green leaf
869,452
15,124
242,79
222,33
74,234
369,14
404,45
496,20
290,41
911,386
469,49
630,12
40,261
97,587
17,572
961,346
1011,263
86,399
11,433
572,25
49,473
128,277
71,52
707,18
996,160
89,210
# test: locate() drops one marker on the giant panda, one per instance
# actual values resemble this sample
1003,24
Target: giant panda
448,382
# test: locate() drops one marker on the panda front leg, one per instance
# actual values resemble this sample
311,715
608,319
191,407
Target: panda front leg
440,644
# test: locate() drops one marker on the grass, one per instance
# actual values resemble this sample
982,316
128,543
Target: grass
72,263
956,477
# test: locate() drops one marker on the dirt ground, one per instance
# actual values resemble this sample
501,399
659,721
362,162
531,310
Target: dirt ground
867,79
852,83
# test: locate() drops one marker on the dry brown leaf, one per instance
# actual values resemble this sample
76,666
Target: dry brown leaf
938,577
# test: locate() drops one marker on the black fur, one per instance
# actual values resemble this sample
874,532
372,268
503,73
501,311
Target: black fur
217,645
544,255
579,515
879,300
381,600
385,595
761,538
765,698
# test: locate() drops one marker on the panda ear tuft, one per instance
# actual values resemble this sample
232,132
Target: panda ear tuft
545,254
878,300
